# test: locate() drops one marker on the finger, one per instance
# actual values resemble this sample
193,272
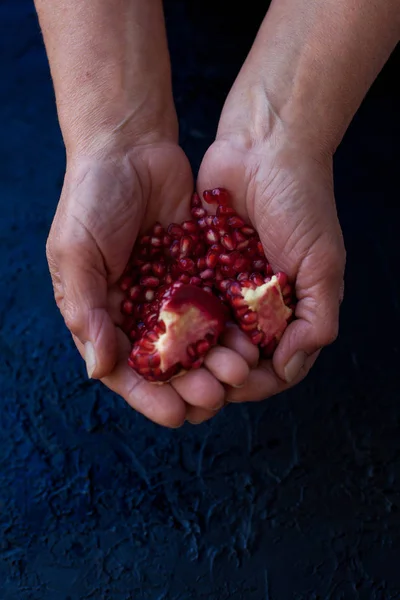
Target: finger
83,301
238,341
200,388
227,366
196,415
263,382
159,403
318,289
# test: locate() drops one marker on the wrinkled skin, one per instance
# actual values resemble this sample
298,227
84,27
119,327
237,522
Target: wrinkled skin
107,199
287,194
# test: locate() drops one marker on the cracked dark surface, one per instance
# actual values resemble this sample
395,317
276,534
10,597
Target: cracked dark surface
294,498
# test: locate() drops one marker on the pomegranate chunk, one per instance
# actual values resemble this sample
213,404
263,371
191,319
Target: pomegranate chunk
187,324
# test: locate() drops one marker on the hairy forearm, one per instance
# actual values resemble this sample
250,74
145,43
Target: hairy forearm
314,61
110,67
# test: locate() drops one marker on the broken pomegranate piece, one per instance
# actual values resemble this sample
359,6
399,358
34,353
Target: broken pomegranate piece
188,323
261,309
183,282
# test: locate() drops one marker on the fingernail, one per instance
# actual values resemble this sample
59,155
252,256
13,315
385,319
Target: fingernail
294,366
90,358
238,386
194,422
218,406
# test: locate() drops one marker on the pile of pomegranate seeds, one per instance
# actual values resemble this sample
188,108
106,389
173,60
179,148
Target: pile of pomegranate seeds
183,283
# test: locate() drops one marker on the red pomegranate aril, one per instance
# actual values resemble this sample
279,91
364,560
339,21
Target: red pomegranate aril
159,269
144,240
127,307
257,279
211,259
202,347
201,264
174,248
175,230
243,276
208,289
198,213
125,283
196,281
248,231
146,268
184,278
249,317
207,274
199,249
135,292
258,264
227,270
212,236
228,242
185,246
216,196
150,281
195,200
240,264
156,242
190,226
166,240
192,351
186,265
223,211
149,295
236,222
158,229
219,222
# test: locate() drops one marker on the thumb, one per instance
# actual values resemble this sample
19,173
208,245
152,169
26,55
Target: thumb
81,287
319,289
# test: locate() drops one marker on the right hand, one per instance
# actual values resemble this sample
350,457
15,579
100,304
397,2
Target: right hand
107,199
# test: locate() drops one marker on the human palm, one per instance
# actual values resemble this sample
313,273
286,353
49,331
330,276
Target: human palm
104,204
287,194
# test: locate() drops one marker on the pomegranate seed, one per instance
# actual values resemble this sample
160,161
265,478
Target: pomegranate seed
156,242
126,283
190,227
175,230
149,295
199,249
135,292
150,281
236,222
166,240
258,264
198,213
207,274
219,222
248,231
184,278
159,269
127,307
146,268
195,200
202,347
217,196
185,246
240,264
207,289
211,259
202,223
192,351
248,327
225,211
227,271
195,281
158,229
228,242
174,249
186,265
242,276
257,279
250,317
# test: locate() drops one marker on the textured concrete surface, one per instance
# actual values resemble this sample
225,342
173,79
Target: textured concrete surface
294,498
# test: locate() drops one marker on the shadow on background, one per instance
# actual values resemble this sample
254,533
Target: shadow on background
294,498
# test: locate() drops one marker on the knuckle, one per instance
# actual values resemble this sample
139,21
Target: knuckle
328,334
73,319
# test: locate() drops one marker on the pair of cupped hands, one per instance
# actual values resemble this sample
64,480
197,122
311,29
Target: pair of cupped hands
280,182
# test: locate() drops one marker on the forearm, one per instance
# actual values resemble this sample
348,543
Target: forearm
110,67
314,60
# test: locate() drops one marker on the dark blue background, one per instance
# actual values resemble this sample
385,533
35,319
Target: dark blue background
295,498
